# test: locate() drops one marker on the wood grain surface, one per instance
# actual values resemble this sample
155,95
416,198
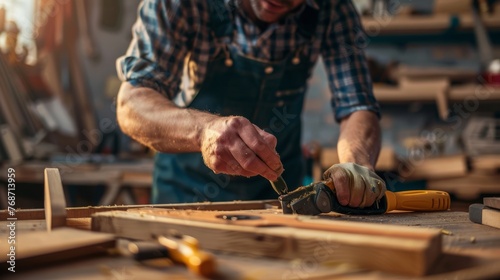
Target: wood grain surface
492,202
408,251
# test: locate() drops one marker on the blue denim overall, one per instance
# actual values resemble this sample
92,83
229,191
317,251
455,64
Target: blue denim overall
269,94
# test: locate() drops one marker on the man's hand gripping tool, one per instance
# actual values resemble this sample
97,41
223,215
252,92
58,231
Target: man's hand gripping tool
317,198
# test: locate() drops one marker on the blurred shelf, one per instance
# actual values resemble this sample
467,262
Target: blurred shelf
386,93
425,24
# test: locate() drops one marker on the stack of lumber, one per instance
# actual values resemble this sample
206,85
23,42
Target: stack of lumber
482,178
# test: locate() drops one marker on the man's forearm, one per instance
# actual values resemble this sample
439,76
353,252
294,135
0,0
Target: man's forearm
359,139
230,145
157,122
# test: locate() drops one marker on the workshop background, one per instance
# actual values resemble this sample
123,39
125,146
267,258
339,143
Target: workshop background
436,72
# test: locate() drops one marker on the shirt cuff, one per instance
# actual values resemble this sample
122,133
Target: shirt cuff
149,84
342,112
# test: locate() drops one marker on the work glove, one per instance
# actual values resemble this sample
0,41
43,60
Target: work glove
355,185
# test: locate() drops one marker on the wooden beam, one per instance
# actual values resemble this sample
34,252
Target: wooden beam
256,218
410,256
86,212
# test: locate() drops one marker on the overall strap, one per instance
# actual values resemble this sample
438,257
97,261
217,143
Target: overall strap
220,18
308,20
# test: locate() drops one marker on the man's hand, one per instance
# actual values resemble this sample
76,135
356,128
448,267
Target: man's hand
233,145
355,185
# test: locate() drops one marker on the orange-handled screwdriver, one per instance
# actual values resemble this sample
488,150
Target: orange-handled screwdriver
186,250
179,248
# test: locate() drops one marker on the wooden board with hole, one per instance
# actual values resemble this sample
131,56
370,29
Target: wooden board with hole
396,249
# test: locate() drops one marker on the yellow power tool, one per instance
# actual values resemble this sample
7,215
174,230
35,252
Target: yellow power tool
318,198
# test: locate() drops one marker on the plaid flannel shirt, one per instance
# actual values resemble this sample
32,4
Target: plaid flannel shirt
169,31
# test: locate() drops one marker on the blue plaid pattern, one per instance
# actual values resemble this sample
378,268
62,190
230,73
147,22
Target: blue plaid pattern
169,33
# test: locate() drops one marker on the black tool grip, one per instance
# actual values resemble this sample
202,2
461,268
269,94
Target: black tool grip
318,198
377,208
144,250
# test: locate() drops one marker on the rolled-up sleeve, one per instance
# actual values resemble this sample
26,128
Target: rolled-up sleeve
343,54
156,54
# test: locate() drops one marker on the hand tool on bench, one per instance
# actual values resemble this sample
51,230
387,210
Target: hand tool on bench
180,248
320,197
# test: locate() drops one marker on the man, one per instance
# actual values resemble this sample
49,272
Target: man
235,124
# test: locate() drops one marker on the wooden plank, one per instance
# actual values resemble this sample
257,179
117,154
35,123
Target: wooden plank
37,248
54,200
454,74
480,214
436,168
469,186
410,256
492,202
463,259
277,219
481,92
25,226
137,179
435,87
486,163
450,7
424,24
386,93
86,212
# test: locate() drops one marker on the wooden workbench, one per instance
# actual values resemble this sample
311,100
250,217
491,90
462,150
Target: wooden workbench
471,251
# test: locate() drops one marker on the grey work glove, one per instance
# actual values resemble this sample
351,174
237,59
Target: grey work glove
355,185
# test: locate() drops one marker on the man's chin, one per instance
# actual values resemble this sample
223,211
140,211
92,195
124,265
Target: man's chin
269,17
